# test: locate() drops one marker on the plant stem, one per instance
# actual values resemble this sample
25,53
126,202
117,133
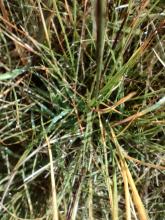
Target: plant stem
100,23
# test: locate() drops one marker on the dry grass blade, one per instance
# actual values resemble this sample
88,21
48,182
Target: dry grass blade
112,191
121,101
90,201
45,21
135,195
154,166
5,14
53,184
126,191
115,208
136,198
137,115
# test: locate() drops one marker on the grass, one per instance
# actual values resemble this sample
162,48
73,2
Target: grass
82,110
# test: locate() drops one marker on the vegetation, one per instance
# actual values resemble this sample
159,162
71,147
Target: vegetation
81,109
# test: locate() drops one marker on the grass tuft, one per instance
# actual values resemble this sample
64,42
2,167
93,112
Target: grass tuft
82,110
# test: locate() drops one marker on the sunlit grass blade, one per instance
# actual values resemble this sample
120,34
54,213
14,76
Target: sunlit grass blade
135,195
